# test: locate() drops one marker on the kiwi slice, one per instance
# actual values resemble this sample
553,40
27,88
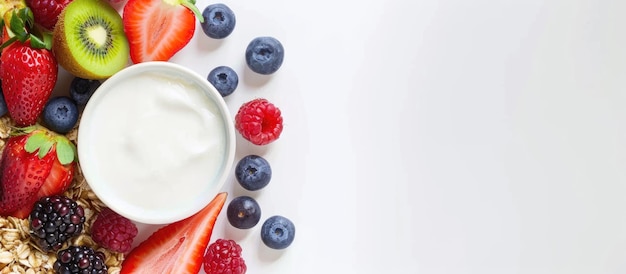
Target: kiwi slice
89,40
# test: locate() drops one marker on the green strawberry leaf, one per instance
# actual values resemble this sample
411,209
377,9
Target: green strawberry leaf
75,151
45,148
22,26
27,129
17,24
44,42
26,15
66,151
36,141
17,131
40,38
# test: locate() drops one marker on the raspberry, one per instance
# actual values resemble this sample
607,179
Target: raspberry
259,121
113,231
224,256
46,12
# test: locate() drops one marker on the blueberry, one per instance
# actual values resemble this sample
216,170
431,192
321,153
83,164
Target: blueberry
219,21
82,89
278,232
60,114
243,212
224,79
264,55
253,172
3,104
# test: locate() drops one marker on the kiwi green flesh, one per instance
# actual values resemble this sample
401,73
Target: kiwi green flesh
94,39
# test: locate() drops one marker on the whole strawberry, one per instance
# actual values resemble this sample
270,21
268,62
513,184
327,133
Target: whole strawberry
28,70
35,163
46,12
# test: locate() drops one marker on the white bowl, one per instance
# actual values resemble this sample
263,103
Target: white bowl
156,142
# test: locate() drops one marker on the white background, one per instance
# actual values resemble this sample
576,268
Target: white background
436,136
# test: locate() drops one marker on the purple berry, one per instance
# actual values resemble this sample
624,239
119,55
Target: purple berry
243,212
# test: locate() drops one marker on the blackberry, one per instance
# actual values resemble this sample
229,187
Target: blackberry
80,259
54,220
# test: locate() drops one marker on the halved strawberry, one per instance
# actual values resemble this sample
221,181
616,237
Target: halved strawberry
35,162
178,247
158,29
57,182
22,174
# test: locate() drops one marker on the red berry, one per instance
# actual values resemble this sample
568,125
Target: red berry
46,12
259,121
224,256
113,231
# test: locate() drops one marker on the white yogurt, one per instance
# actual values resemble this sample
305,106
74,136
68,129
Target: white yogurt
158,141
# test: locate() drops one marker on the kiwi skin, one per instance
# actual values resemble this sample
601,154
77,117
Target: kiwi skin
65,58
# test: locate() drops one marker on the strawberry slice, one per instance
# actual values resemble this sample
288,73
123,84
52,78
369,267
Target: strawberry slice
158,29
178,247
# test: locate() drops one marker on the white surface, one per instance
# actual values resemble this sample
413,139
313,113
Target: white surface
438,137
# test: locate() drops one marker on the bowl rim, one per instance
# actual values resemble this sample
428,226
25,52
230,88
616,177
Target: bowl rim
85,131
